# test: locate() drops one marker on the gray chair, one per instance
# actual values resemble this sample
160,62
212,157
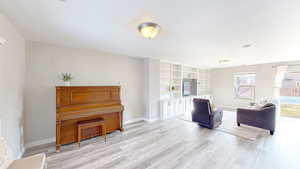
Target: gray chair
264,117
204,115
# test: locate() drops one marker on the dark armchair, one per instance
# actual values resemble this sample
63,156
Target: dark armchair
263,117
204,115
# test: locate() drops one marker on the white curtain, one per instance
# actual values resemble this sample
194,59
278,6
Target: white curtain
281,71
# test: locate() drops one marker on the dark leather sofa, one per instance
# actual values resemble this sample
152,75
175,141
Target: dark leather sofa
204,115
264,117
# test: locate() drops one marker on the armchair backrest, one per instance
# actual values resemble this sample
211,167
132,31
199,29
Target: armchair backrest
202,106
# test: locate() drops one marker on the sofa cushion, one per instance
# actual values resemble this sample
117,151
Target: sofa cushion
5,154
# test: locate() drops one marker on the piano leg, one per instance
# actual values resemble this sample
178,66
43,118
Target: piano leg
58,127
57,148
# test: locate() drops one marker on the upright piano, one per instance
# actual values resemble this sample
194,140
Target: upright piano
80,103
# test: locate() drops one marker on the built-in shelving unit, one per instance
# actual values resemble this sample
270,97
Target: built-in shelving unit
190,72
171,76
203,82
165,79
176,80
170,80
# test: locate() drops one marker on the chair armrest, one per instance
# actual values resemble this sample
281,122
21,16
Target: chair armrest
216,111
32,162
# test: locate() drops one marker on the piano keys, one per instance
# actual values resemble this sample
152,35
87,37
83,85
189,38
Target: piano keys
80,103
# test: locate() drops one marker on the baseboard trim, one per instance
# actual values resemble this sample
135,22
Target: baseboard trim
133,120
52,140
21,153
151,120
39,142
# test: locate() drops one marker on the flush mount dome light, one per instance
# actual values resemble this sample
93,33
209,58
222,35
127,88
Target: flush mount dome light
149,29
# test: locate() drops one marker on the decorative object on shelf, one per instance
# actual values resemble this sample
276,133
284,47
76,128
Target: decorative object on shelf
149,29
66,77
172,88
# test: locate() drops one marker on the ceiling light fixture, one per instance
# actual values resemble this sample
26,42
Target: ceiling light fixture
224,60
247,46
149,29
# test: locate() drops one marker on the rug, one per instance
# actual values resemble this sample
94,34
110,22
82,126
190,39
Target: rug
229,126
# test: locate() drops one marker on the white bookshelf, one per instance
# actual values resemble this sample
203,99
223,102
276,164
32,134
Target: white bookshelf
172,102
170,75
165,79
190,72
203,82
173,74
176,80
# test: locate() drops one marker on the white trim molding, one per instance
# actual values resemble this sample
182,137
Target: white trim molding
133,120
39,142
151,120
21,153
77,83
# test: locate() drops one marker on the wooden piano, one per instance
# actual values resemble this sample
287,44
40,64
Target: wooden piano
80,103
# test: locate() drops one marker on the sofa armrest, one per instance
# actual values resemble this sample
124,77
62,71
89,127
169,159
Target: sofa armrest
241,110
32,162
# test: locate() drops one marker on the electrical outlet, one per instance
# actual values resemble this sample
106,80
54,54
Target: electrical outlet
2,41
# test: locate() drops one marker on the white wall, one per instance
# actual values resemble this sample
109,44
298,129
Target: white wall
222,84
12,75
152,89
45,63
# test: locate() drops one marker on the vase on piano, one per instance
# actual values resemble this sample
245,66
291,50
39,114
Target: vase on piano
66,78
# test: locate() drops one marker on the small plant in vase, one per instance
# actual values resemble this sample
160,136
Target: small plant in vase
66,77
172,89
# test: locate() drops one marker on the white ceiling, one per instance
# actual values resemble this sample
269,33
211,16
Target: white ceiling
194,32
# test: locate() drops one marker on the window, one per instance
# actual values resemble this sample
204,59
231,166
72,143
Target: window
244,85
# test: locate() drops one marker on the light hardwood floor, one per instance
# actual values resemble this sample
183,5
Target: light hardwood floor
180,144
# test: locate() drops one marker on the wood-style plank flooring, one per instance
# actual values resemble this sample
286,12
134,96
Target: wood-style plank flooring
178,144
